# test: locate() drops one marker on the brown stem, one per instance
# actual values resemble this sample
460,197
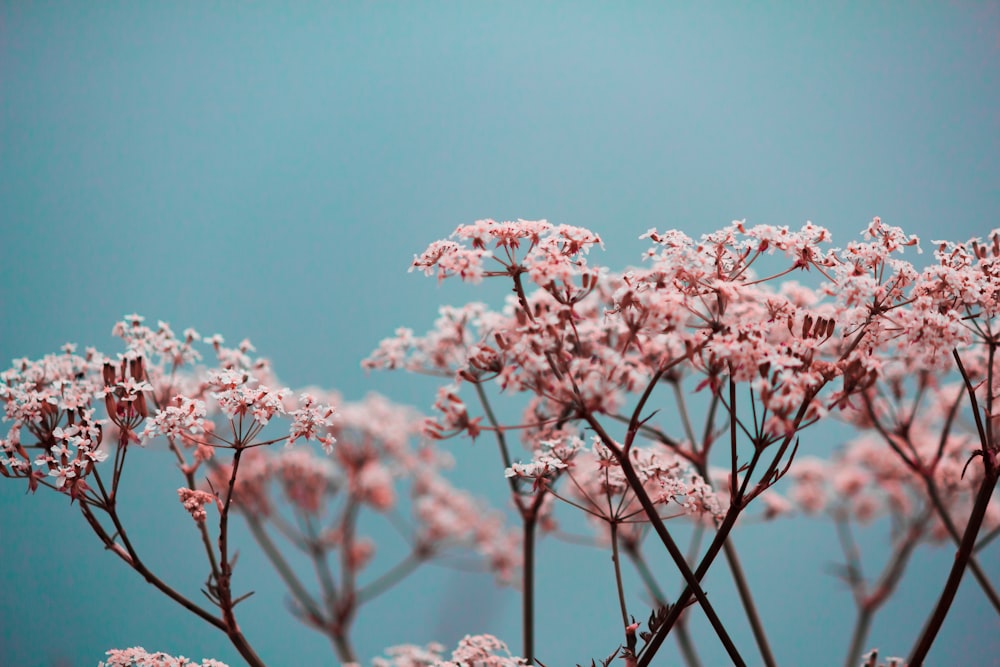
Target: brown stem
684,642
977,570
136,564
923,645
223,581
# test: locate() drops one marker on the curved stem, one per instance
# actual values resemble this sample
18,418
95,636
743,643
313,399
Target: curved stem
136,564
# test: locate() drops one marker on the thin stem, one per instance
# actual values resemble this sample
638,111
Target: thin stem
389,578
987,538
748,604
736,569
529,516
206,539
223,581
285,571
869,603
613,525
683,410
862,625
491,418
678,608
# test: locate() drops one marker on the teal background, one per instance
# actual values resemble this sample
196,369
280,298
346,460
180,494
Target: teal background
268,170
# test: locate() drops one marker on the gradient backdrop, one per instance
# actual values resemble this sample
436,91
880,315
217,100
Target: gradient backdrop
268,171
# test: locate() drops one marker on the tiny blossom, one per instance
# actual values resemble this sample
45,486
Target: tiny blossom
408,655
483,650
552,255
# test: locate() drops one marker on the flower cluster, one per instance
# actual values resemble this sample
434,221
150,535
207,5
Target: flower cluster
51,401
552,255
477,650
139,657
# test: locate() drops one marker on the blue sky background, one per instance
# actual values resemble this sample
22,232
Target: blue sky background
268,171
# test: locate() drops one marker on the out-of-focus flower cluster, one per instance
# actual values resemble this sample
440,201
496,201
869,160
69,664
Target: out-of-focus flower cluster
372,466
909,447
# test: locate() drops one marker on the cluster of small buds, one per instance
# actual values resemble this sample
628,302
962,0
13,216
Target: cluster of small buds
698,309
72,453
374,466
53,400
139,657
194,502
454,417
124,392
160,343
598,481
